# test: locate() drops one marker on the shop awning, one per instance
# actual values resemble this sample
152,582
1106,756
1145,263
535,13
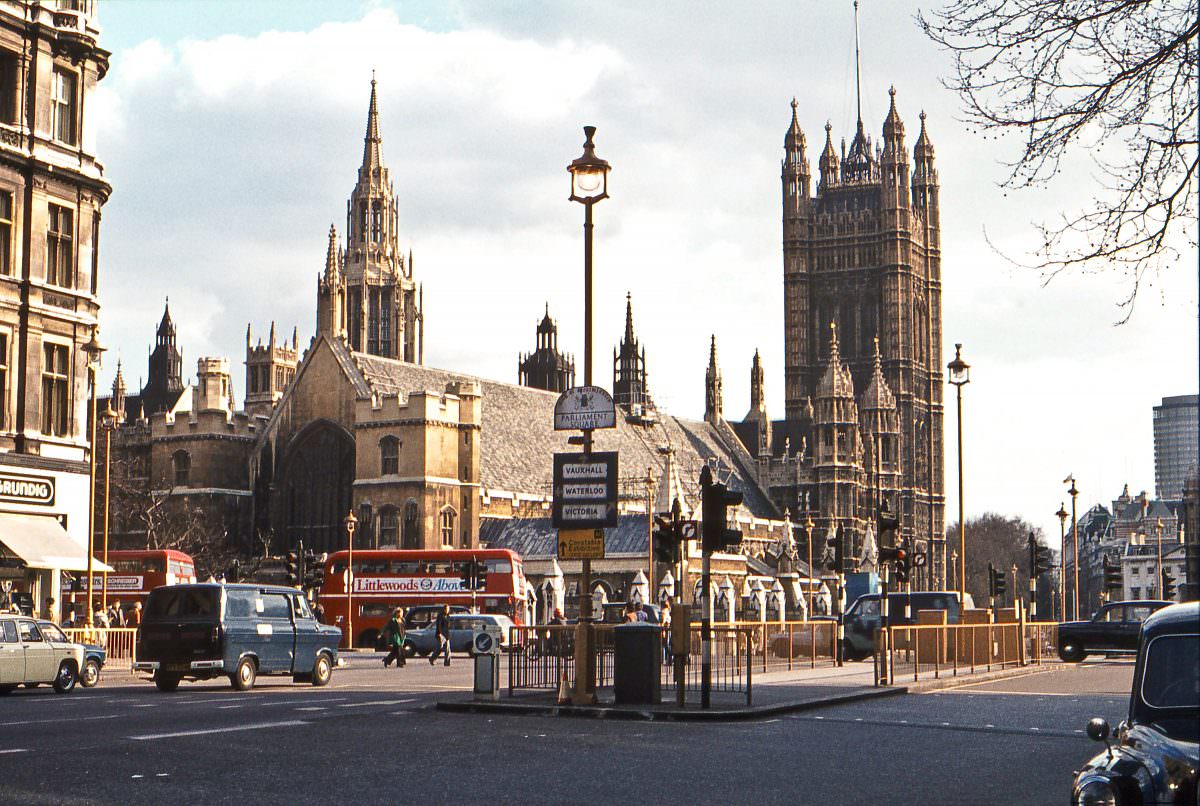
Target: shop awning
41,542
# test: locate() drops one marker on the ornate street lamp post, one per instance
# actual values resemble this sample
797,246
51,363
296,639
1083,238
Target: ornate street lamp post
960,376
93,349
1158,529
1062,568
109,421
1073,492
351,524
808,531
589,185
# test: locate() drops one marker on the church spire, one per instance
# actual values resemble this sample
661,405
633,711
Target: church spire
629,317
372,142
331,258
714,406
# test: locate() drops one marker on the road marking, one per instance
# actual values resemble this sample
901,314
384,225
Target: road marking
375,702
232,729
146,705
14,750
904,723
48,721
227,707
313,708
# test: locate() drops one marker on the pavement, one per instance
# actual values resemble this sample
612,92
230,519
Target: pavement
772,693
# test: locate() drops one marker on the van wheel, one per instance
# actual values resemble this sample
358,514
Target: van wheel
243,676
91,673
1071,652
322,671
67,677
164,681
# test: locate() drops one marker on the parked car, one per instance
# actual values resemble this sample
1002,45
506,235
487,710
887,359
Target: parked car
1114,628
31,656
863,619
198,632
93,655
463,626
823,628
1154,756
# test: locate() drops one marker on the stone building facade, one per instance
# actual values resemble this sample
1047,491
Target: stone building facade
52,189
546,368
862,342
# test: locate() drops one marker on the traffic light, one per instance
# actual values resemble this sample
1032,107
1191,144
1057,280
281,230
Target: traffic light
887,524
1168,585
1039,557
667,539
474,575
898,559
904,567
716,498
294,568
1113,582
314,571
997,584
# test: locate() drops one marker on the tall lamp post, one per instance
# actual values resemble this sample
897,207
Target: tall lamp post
650,531
1062,573
808,532
93,349
351,524
1158,529
960,376
589,185
109,421
1074,493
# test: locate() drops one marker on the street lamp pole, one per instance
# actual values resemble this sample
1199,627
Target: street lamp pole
1074,493
1158,529
351,523
1062,574
650,531
110,422
589,185
94,349
960,376
808,531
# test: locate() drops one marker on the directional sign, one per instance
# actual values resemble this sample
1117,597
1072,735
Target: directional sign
584,408
691,530
585,490
581,544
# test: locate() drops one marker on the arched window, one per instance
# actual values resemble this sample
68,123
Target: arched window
389,456
389,527
181,461
412,531
448,518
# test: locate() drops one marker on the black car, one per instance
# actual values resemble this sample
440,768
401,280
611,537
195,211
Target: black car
863,618
1155,758
1114,629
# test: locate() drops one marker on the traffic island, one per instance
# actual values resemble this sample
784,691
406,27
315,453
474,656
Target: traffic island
724,709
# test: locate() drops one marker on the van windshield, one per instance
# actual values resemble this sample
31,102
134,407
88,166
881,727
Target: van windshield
183,602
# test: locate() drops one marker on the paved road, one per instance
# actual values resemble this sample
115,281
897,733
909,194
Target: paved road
372,736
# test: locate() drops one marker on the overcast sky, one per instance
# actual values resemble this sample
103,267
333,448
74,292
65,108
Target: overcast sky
232,133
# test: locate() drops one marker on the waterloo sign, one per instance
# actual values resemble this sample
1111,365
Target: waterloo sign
583,408
585,490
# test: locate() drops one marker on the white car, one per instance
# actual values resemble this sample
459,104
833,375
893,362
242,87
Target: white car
30,656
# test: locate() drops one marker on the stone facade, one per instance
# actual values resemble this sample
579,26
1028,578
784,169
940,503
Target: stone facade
52,189
862,342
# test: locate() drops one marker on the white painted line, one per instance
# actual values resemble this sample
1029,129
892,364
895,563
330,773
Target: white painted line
374,702
227,707
161,774
14,750
146,705
400,713
48,721
253,726
313,708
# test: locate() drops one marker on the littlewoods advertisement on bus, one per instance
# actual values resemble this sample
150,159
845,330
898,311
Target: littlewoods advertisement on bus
409,585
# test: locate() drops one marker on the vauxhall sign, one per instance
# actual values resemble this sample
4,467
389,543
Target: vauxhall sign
585,490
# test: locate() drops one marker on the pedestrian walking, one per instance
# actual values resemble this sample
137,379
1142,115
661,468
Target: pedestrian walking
393,638
666,630
135,615
443,635
319,612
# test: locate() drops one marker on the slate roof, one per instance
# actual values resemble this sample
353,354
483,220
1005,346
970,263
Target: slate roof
518,439
537,539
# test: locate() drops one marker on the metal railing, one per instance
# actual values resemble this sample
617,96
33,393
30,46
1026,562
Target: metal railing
540,655
938,650
120,643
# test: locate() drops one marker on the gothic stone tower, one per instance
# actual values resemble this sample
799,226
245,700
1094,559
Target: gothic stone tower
367,292
270,368
164,375
547,368
630,388
864,253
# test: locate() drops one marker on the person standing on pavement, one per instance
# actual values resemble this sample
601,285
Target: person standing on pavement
666,630
443,635
50,613
393,638
135,615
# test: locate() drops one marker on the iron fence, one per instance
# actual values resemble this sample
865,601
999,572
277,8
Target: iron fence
938,650
119,643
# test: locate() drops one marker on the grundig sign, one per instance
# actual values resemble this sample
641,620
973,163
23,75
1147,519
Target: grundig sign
26,489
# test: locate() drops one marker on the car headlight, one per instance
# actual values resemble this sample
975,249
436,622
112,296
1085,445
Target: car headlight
1096,792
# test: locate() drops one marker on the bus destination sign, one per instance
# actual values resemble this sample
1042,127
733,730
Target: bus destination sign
585,490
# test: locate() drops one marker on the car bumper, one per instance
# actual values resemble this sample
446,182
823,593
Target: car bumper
196,665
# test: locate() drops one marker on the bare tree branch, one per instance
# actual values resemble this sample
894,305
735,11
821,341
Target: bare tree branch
1116,79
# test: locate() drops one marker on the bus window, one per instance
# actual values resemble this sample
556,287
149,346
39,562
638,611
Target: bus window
338,568
154,565
405,567
498,566
382,609
438,567
374,567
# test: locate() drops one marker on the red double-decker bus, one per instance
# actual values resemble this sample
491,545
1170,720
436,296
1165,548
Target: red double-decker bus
387,578
136,573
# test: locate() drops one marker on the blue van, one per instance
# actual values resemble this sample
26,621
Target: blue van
198,632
